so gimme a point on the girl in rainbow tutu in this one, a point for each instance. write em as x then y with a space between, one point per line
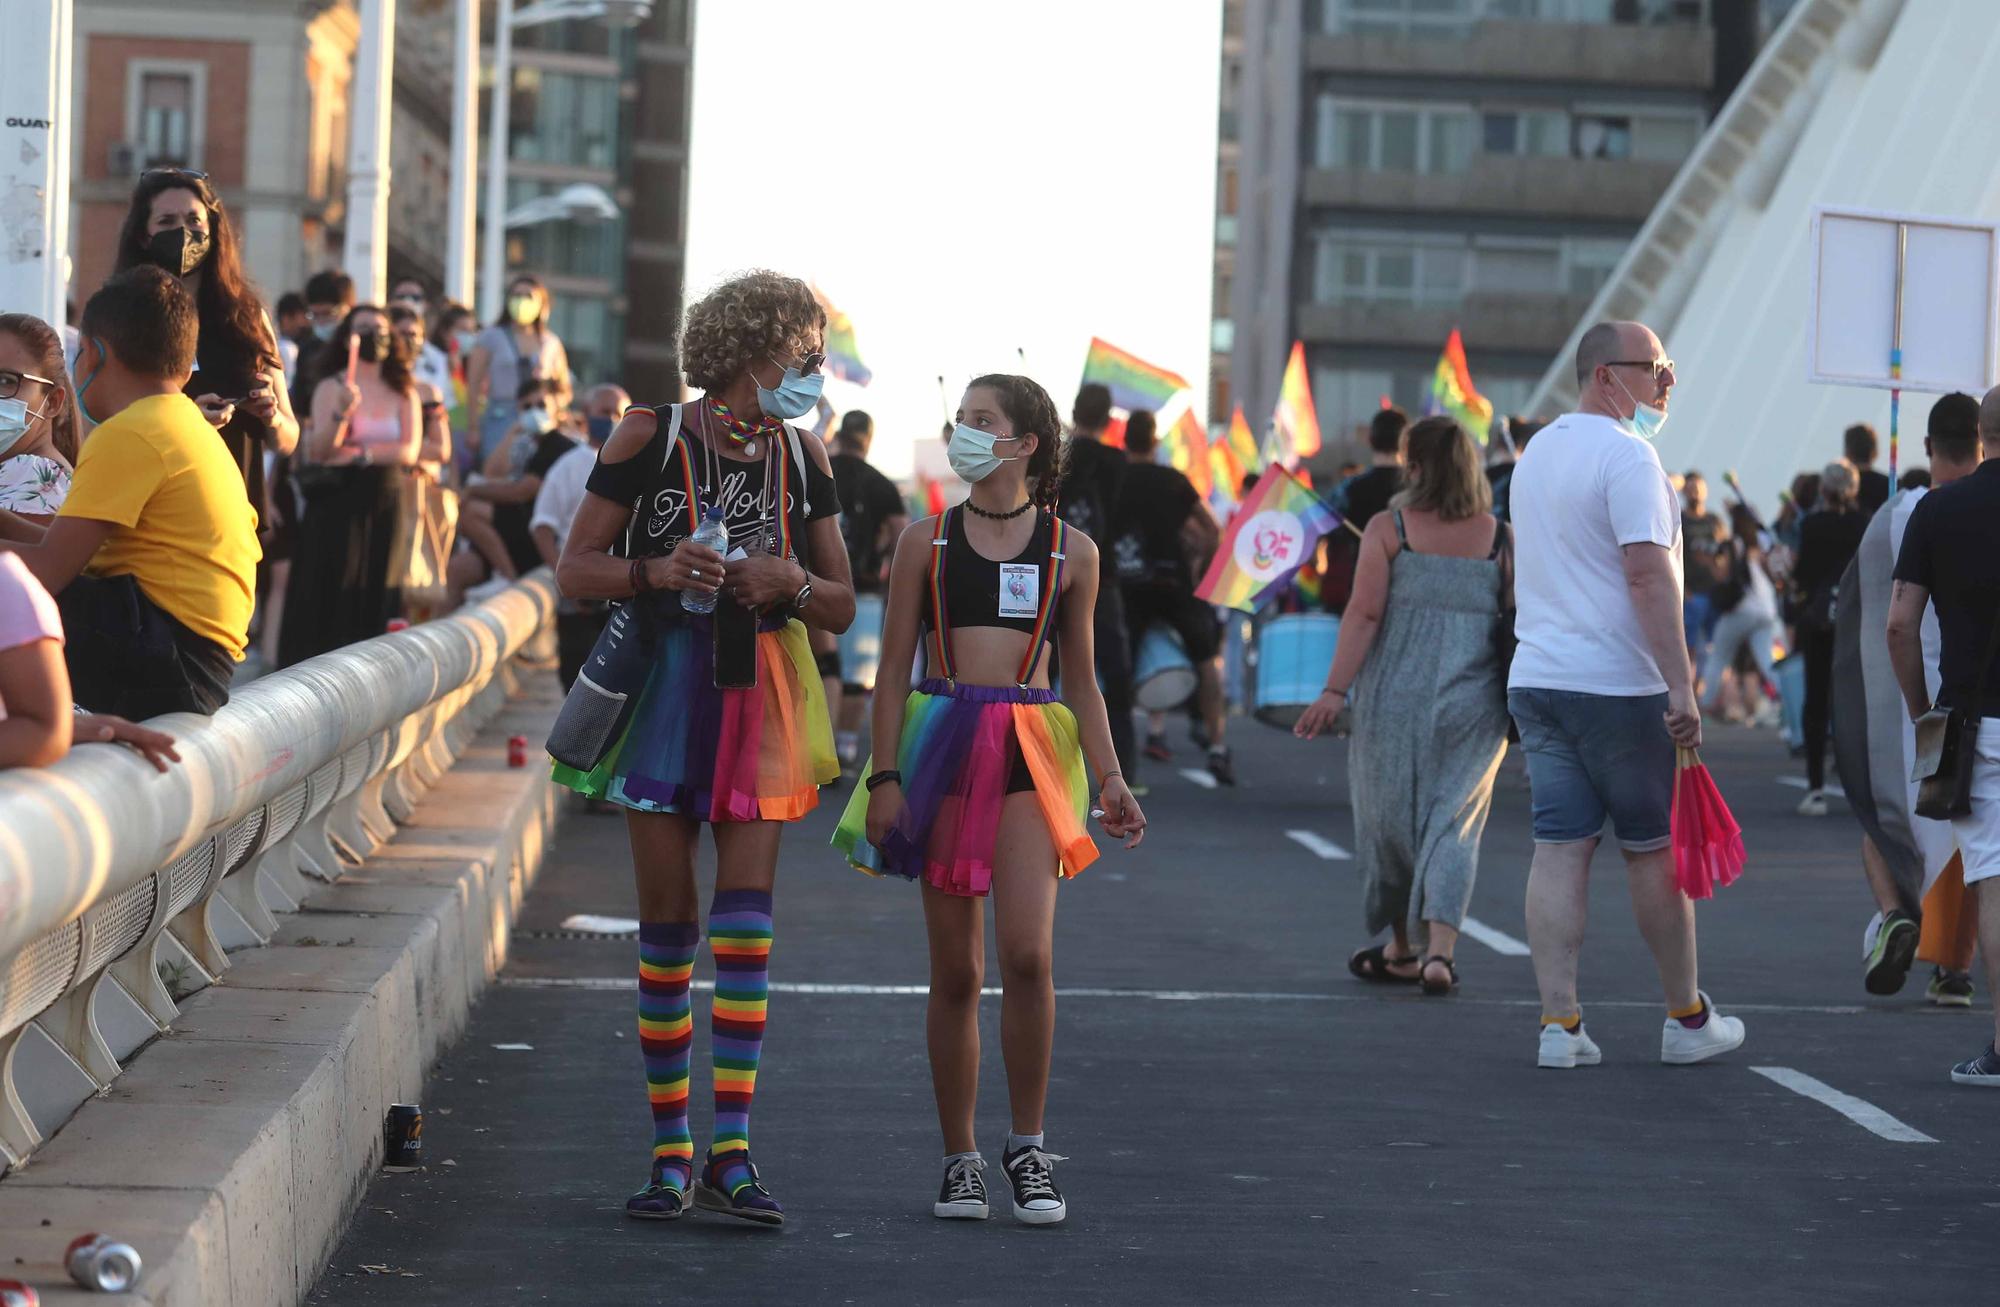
987 792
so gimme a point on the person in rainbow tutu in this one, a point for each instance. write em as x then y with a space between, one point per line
648 725
987 792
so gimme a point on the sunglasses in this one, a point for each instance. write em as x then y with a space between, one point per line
10 382
1659 367
808 365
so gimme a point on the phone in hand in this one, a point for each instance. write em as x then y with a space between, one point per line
735 646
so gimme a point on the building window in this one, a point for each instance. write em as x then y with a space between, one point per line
1589 263
1542 133
165 118
1518 269
1433 139
1222 335
565 118
1387 268
1602 136
1458 18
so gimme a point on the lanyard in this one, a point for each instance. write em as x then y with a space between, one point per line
1044 615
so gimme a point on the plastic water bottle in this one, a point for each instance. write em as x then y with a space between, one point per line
715 535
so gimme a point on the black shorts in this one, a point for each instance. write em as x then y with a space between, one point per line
1170 606
127 656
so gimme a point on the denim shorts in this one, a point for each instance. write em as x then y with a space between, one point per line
1593 757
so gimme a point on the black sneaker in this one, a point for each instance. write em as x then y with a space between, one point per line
1894 950
1981 1070
1037 1201
1221 767
1158 749
963 1195
1950 988
1198 731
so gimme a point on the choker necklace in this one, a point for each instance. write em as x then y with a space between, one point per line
1009 515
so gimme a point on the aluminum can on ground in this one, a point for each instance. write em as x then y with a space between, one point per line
13 1293
403 1135
98 1262
517 751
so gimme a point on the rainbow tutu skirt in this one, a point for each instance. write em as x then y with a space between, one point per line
961 744
720 755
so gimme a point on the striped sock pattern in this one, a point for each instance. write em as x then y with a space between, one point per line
666 1039
739 936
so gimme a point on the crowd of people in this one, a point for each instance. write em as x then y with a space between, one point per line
186 484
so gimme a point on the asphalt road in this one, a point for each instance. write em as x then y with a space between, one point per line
1246 1123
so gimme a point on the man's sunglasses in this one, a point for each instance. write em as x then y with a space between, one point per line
808 365
10 382
1658 367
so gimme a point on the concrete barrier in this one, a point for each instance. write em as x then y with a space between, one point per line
121 888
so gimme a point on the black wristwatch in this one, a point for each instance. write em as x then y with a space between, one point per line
804 597
883 777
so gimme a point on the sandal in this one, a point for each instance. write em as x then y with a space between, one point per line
1372 965
1432 988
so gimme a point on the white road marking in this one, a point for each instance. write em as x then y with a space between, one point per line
515 1048
597 925
1200 778
1497 940
620 983
1799 783
1860 1111
1324 848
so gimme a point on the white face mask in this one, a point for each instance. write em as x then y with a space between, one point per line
15 419
970 452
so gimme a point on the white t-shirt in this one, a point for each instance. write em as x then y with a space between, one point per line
562 493
434 366
1584 490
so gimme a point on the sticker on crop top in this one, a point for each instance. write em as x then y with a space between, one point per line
1020 589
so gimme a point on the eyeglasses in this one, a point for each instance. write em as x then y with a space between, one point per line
10 382
808 365
1659 367
192 174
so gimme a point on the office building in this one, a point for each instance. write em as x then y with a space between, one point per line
1393 169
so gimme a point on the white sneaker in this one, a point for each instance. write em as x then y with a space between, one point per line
1814 804
1680 1046
1562 1050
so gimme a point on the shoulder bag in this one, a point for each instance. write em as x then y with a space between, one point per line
1945 755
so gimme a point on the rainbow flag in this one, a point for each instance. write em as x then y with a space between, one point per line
1296 422
1187 449
843 353
1452 393
1268 540
1134 383
1235 455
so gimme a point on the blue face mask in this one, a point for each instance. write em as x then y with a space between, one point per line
83 405
970 452
1646 420
600 429
794 397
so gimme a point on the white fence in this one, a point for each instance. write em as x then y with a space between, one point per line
112 874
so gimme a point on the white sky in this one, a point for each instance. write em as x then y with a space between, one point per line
965 179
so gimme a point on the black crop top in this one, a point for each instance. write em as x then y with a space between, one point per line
655 483
972 582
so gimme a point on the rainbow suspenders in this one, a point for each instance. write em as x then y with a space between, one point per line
941 629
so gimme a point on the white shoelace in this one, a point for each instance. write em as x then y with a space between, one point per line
964 1180
1032 1175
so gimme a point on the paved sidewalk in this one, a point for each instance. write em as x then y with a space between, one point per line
1246 1122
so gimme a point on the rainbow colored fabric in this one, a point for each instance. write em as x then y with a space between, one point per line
739 938
1269 539
721 755
958 745
1187 449
1295 422
1134 383
1235 456
666 1038
843 352
1453 394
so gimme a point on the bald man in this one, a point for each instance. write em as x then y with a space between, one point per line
1601 686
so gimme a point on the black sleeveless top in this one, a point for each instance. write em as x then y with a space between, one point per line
656 483
973 583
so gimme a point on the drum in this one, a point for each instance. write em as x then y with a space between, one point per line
1791 677
861 645
1293 655
1164 678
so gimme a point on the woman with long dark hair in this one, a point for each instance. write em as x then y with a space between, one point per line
518 347
978 783
177 222
367 434
38 437
716 714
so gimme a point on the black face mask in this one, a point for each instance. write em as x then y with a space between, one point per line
372 347
178 250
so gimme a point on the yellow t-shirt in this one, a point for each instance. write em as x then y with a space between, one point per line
185 530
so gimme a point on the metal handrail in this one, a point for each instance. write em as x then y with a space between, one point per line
103 860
